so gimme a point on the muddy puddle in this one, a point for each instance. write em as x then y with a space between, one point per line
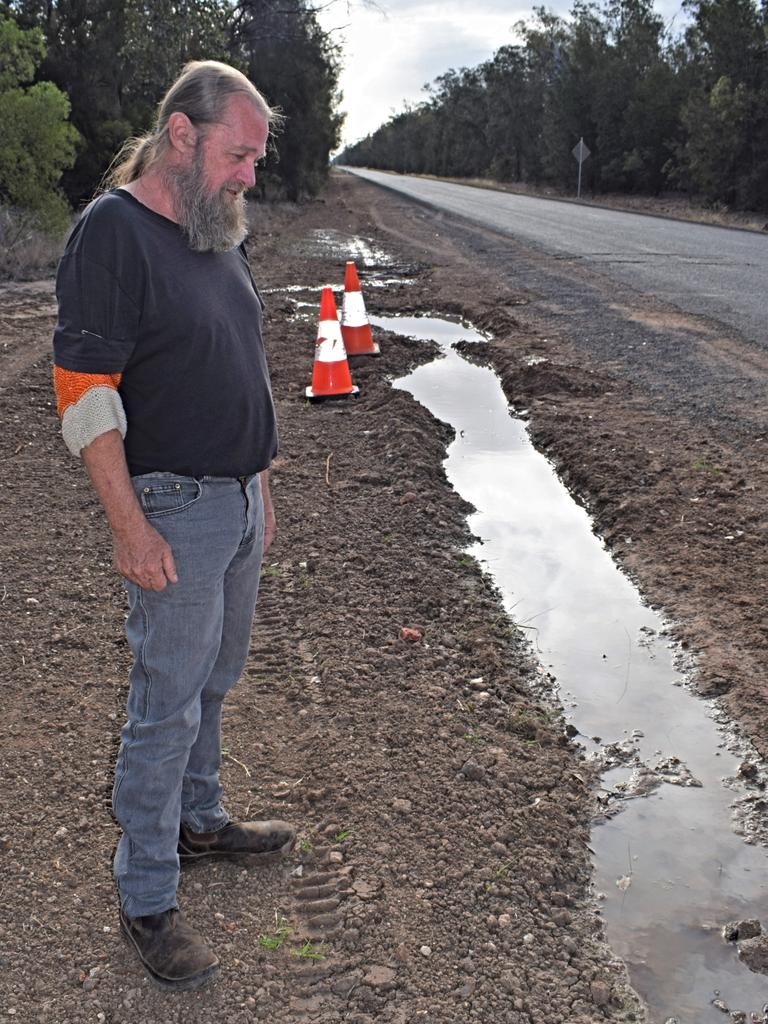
670 870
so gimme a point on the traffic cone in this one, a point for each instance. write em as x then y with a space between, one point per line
330 376
355 329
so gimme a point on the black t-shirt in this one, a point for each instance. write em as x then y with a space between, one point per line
184 330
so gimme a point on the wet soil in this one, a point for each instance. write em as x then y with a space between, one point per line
442 869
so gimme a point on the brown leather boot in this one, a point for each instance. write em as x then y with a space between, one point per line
172 952
263 839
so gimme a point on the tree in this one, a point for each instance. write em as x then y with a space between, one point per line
115 59
514 116
724 155
36 140
160 37
638 108
296 64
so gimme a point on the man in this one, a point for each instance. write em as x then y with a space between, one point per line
163 389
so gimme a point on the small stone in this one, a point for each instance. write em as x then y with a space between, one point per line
425 950
366 889
411 635
528 939
505 920
754 953
401 806
472 770
508 981
737 931
600 992
380 977
720 1005
499 849
335 857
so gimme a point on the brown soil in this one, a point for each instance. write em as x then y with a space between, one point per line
442 872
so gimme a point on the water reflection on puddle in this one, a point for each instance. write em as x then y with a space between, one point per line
684 871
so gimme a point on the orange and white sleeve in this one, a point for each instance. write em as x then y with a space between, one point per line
88 405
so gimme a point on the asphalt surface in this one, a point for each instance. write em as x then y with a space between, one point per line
709 271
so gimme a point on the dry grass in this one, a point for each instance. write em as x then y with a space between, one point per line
26 252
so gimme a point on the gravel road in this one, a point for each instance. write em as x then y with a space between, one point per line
708 271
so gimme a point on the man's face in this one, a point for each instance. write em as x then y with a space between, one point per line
231 149
208 190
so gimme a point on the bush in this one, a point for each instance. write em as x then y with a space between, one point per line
26 251
36 140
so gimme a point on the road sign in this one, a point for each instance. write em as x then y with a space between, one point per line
580 153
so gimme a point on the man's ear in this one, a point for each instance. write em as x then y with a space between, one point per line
182 134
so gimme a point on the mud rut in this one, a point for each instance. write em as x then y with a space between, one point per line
442 872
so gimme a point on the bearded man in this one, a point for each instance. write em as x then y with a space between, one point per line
163 390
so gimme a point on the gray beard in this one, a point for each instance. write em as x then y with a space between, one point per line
212 222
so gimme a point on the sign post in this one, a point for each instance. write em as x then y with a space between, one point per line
580 152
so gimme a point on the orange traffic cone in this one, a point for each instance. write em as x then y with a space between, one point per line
355 329
330 377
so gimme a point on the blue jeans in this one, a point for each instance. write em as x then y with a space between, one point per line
189 644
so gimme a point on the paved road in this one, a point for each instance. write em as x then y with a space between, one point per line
717 272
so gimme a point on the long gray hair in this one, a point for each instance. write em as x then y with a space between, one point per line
201 92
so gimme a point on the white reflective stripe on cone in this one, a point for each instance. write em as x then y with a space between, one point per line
330 349
353 310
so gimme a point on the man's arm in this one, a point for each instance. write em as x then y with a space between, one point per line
270 523
139 552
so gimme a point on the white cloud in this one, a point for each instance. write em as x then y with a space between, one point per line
393 50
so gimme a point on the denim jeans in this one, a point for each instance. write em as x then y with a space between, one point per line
189 644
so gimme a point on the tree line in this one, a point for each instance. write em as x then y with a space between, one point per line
79 77
658 109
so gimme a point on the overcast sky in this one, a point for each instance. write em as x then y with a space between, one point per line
393 49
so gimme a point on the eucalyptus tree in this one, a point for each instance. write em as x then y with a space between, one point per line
725 152
281 45
36 139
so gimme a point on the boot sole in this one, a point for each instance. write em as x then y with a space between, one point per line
169 984
266 856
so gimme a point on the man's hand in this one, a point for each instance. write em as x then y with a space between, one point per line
144 557
139 552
